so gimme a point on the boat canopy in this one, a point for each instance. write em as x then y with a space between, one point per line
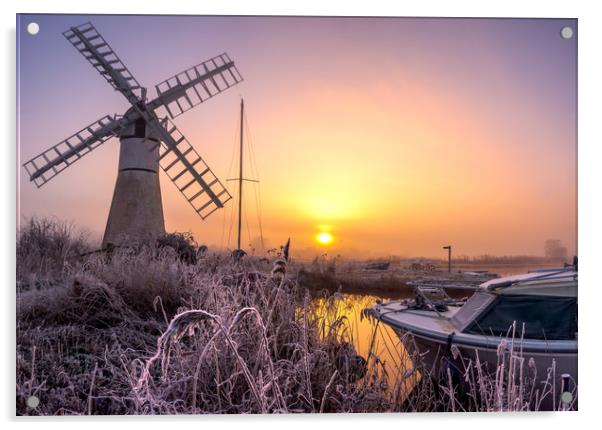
544 304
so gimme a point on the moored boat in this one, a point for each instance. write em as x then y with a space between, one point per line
533 316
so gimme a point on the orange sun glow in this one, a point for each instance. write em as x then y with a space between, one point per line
324 238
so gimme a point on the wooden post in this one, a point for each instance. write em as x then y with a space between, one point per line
449 248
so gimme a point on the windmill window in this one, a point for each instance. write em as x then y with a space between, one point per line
140 128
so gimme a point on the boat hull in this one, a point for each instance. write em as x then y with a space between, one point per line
434 358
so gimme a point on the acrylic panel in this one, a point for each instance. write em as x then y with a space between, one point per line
295 214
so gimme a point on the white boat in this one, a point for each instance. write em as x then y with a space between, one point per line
444 331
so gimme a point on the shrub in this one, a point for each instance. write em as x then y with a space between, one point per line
45 249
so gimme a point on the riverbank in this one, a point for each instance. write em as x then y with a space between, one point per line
393 279
394 282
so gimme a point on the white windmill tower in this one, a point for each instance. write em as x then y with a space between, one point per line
147 141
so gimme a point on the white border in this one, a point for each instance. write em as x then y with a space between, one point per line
590 73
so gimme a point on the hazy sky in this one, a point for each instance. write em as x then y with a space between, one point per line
396 135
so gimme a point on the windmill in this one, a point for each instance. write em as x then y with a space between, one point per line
147 141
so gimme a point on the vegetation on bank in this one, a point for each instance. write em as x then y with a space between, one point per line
168 328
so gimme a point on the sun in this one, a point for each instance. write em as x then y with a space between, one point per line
324 238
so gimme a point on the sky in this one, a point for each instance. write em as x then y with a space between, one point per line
396 136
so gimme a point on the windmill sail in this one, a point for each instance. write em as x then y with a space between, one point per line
192 87
51 162
189 172
88 41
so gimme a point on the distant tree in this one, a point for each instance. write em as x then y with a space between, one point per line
554 250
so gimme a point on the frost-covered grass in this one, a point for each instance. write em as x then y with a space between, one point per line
142 331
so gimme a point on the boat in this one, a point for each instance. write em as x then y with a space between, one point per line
378 266
533 313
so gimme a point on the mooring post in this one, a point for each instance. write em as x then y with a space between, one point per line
448 247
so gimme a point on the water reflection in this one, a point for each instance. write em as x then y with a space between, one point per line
388 361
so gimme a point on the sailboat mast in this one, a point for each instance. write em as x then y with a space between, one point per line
242 108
